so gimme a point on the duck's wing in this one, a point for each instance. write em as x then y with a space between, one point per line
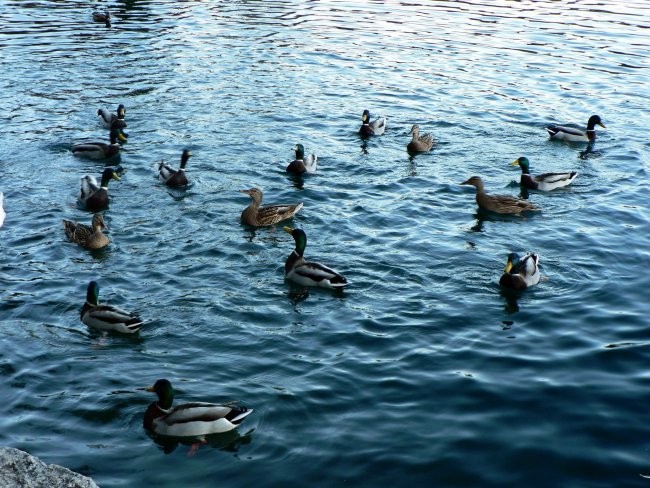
379 126
320 275
88 187
165 171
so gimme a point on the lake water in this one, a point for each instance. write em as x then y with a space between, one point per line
423 372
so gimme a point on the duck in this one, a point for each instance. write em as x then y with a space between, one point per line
107 317
102 17
520 273
307 273
563 133
545 181
3 214
257 216
195 419
101 150
375 128
498 203
93 197
419 143
302 164
172 177
107 119
88 237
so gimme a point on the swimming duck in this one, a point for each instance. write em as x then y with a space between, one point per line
562 133
309 273
520 273
375 128
302 164
543 182
93 197
419 143
195 419
107 119
107 317
100 150
2 210
257 216
102 17
172 177
498 203
88 237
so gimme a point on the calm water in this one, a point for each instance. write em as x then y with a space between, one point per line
423 373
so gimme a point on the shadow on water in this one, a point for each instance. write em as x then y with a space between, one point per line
511 297
227 441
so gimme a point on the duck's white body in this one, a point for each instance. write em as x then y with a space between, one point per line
88 187
308 273
522 274
196 420
107 317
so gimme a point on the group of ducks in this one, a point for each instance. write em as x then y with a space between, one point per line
199 419
520 272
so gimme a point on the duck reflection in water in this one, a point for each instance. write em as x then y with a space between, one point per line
227 441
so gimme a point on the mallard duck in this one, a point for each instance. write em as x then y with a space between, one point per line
100 150
309 273
2 210
92 196
88 237
172 177
562 133
257 216
107 317
543 182
102 17
419 143
498 203
109 120
375 128
195 419
520 273
302 164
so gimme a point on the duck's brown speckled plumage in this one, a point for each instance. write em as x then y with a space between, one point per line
257 216
502 204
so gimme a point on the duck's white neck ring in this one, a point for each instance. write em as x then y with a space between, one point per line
103 188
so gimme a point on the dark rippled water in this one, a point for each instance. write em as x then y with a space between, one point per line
423 373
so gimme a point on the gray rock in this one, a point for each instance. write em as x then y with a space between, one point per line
19 469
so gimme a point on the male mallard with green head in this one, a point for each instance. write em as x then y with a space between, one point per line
564 133
93 197
107 317
101 150
172 177
88 237
374 128
302 164
195 419
108 119
521 273
498 203
545 181
308 273
257 216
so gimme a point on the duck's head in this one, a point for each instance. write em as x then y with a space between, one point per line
121 111
415 129
365 117
523 163
185 157
98 222
92 293
512 262
109 174
300 151
474 181
254 193
299 237
163 389
594 120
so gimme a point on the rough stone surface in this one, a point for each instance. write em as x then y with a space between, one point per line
19 469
